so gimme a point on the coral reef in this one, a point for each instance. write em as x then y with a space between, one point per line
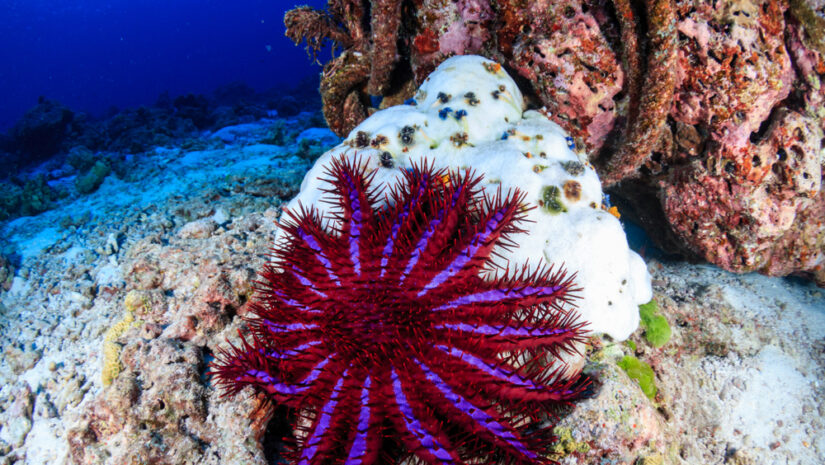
706 119
736 339
114 144
379 330
50 128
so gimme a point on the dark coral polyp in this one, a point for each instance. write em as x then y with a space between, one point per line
381 334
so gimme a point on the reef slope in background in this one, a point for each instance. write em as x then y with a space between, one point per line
144 278
707 118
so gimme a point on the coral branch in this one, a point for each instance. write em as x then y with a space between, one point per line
341 88
631 56
314 27
644 129
386 19
351 14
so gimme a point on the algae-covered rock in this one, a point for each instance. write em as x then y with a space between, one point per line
277 134
80 158
6 273
36 196
16 413
90 181
10 196
566 444
111 348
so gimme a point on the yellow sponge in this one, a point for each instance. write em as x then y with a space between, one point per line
111 348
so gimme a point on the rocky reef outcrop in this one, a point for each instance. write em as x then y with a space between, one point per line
705 119
40 133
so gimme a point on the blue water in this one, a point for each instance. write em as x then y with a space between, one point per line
92 55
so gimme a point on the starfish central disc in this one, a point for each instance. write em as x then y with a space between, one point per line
376 324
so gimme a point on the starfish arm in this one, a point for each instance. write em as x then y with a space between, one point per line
250 365
501 381
366 443
288 304
400 222
419 433
311 450
279 335
297 351
479 297
313 251
559 333
483 421
449 210
356 206
472 250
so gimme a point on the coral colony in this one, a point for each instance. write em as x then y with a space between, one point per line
382 333
468 114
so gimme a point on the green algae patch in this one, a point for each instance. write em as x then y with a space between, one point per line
641 372
657 330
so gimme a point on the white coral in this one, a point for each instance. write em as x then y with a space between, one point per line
469 114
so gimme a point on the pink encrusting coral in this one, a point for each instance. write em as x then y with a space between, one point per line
749 196
574 71
388 333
